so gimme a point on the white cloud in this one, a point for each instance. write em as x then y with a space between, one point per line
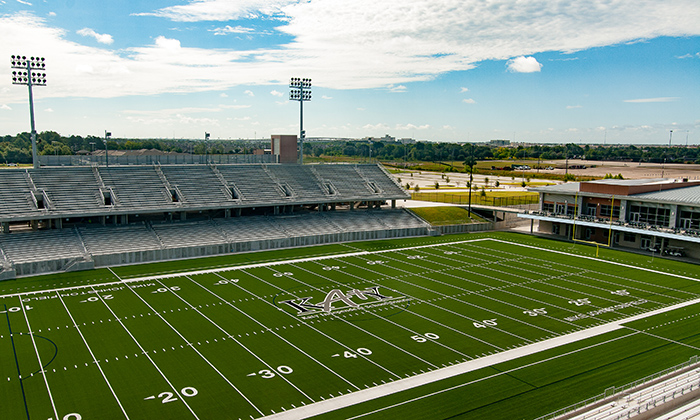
48 110
218 10
696 55
249 93
523 64
573 106
101 38
650 100
223 95
397 89
469 101
463 90
226 30
326 97
276 93
24 2
52 14
416 41
413 127
5 107
375 127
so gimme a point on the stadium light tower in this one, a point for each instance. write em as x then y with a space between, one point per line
31 72
107 136
300 90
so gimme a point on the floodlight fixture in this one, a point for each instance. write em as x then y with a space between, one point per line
31 72
300 90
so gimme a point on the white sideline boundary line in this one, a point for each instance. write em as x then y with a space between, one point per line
379 391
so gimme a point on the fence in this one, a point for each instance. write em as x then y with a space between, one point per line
478 199
613 390
169 159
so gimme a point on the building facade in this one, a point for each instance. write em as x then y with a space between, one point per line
656 215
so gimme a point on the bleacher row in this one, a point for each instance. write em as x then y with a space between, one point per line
69 191
86 241
644 399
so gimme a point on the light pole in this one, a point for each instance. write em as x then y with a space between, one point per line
206 147
300 90
107 135
32 74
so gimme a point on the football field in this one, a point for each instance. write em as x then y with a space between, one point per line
473 326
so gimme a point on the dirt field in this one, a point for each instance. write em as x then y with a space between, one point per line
629 170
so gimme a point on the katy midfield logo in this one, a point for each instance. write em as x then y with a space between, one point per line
304 307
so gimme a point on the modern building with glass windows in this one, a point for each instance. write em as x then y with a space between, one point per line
655 215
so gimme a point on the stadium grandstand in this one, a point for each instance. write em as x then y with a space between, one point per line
79 217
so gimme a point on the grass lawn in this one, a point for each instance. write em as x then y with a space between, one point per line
446 215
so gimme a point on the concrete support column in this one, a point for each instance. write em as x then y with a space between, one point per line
623 211
59 223
183 215
673 220
227 213
352 206
125 219
579 205
333 206
103 220
276 210
238 212
5 227
34 224
393 204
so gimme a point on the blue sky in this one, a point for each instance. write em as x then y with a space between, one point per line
589 71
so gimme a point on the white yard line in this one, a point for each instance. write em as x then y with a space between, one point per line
412 297
451 297
94 359
301 321
465 367
41 364
229 335
145 353
396 323
353 325
190 344
281 338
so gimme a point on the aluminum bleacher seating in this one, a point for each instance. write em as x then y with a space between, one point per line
250 228
117 239
138 187
43 245
376 175
71 189
198 184
15 194
175 235
300 179
253 182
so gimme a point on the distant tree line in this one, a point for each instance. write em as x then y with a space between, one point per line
18 149
435 152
